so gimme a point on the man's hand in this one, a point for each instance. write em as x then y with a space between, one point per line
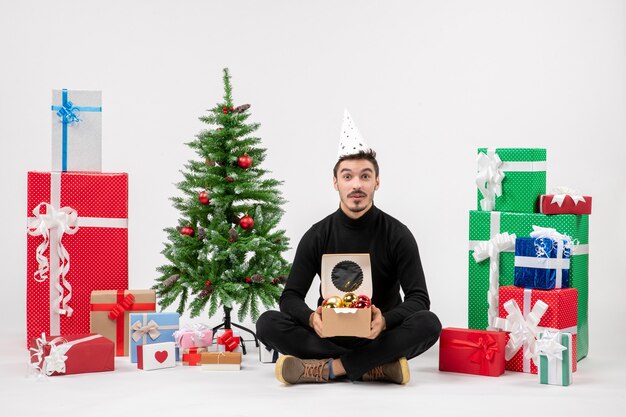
315 321
378 323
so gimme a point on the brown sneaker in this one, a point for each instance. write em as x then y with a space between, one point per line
292 370
396 371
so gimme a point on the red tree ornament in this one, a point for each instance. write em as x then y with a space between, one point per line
363 301
187 231
246 222
244 161
203 197
248 280
229 179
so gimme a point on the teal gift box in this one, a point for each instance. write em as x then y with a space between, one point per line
511 179
555 358
149 328
485 225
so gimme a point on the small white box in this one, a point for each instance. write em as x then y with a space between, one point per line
267 355
76 130
156 356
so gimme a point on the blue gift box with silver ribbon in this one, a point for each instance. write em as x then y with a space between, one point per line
149 328
542 263
76 130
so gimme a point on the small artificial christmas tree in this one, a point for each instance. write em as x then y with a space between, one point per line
226 250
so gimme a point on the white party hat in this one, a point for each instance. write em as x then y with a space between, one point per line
351 142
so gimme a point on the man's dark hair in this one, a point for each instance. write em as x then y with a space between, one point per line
368 155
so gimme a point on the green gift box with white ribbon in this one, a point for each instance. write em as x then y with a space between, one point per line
490 235
555 358
510 179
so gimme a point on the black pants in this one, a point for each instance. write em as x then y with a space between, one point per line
415 335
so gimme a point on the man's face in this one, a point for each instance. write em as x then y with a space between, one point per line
356 182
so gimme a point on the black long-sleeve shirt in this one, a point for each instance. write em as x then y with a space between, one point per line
394 258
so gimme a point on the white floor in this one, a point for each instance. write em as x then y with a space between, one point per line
189 391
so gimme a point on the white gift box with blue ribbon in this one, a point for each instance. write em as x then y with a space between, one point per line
76 130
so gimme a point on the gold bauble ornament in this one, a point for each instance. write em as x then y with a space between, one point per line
332 302
348 299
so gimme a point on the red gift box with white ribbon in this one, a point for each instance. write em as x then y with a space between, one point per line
563 200
71 354
77 216
525 312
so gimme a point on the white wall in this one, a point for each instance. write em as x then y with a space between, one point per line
427 82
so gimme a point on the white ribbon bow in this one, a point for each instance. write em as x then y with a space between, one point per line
196 333
491 249
548 345
55 361
201 331
559 194
523 331
57 222
151 329
551 233
489 178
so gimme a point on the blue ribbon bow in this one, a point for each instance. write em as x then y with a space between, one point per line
68 113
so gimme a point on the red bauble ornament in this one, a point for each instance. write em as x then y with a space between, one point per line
187 231
365 300
246 222
232 108
248 280
225 110
203 197
229 179
207 283
244 161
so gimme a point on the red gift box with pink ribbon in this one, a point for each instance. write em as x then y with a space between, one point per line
470 351
525 313
72 354
79 217
227 340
